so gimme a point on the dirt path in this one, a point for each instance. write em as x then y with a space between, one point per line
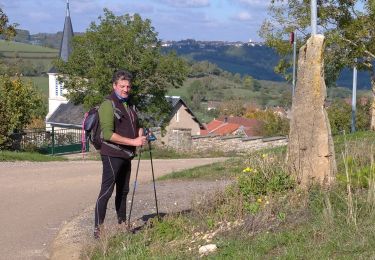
38 199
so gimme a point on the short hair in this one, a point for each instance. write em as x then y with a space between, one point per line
122 75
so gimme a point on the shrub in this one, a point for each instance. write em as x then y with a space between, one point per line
267 175
340 116
272 123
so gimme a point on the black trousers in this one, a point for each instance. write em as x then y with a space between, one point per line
115 171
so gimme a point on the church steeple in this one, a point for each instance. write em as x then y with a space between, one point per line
66 42
67 8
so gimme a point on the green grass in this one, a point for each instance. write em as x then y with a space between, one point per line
40 84
9 46
31 55
226 89
219 170
287 224
28 156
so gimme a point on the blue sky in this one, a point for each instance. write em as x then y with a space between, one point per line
226 20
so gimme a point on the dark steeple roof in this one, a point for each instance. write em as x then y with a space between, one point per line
66 42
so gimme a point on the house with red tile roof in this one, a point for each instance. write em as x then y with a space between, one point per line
232 125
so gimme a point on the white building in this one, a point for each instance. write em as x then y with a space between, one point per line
56 89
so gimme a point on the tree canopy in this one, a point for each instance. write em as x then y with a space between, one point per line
19 104
121 42
348 26
6 30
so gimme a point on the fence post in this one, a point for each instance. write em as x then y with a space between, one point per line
53 140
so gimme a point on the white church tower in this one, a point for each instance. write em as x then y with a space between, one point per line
56 89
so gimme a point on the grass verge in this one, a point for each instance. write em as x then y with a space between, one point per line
263 215
28 156
219 170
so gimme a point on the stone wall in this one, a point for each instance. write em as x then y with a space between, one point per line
235 143
180 139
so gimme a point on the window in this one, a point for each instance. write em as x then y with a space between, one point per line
61 89
56 88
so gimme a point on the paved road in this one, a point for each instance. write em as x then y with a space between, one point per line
38 198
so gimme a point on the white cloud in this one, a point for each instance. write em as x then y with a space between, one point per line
253 2
186 3
242 16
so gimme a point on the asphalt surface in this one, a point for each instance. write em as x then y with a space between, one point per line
38 199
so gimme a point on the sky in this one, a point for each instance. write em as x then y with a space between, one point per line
210 20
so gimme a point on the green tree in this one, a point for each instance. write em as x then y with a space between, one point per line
348 26
197 93
339 114
19 104
232 107
272 123
6 30
256 85
248 82
121 42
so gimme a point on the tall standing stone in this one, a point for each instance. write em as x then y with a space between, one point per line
311 156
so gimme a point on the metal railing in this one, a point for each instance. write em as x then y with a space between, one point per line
50 140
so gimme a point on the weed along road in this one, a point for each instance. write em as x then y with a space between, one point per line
38 198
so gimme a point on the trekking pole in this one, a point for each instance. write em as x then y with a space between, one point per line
135 185
153 179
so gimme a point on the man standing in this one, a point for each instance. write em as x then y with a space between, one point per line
121 134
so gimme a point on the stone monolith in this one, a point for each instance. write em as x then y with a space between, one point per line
311 156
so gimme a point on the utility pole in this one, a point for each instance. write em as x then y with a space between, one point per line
314 15
354 95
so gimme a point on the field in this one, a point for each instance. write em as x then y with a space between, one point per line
222 88
37 56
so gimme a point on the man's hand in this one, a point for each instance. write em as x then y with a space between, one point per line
139 141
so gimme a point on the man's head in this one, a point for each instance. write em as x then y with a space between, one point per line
122 83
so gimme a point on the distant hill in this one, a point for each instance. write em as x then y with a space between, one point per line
253 59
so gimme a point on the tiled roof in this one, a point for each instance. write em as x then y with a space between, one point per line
213 124
225 129
220 127
239 120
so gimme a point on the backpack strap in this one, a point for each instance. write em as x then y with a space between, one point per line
116 112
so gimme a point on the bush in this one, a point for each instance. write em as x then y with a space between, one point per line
272 123
19 103
340 116
266 175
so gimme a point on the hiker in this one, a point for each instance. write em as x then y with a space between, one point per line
121 134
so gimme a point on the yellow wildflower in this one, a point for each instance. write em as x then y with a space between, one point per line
259 200
247 169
